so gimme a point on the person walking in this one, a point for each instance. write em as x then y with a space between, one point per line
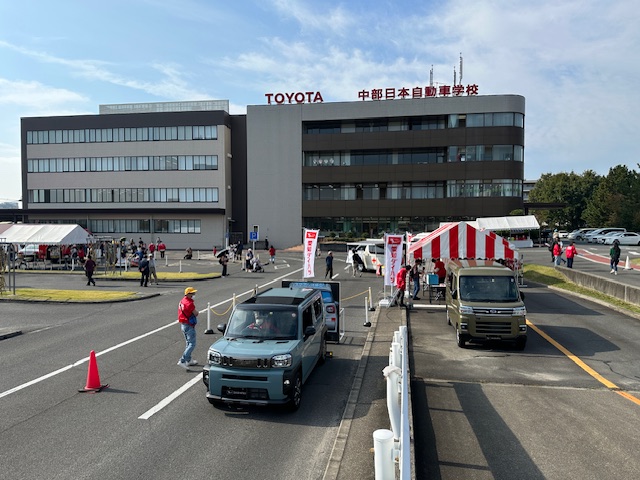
358 263
614 255
188 318
570 252
153 275
272 254
329 262
89 267
415 273
401 284
143 267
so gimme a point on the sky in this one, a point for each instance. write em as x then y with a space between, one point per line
576 62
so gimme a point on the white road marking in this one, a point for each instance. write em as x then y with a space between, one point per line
120 345
167 400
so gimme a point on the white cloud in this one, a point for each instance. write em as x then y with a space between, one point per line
33 94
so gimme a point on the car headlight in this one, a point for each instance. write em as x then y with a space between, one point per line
466 310
281 361
214 357
519 311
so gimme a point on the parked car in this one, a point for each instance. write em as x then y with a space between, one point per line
32 252
600 238
579 234
563 234
624 238
602 231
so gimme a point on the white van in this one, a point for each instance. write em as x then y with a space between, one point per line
371 252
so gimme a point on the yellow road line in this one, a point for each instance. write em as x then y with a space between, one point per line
610 385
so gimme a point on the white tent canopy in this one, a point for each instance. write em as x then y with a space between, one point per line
512 223
45 234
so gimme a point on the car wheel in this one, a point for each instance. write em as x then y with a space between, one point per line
323 351
295 397
460 339
521 343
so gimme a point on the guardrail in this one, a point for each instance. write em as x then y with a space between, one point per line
394 446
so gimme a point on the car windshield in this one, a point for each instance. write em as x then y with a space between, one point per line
488 289
263 323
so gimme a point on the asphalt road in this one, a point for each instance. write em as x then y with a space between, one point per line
554 411
50 431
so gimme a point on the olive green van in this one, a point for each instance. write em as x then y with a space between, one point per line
484 303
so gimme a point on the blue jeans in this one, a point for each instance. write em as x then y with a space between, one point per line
189 333
416 287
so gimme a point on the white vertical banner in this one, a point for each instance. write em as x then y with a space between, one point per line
392 257
310 245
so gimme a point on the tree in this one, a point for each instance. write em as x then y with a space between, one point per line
570 188
616 200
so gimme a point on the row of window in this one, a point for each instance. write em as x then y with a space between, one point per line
128 134
102 227
115 226
427 122
469 153
124 195
123 164
415 190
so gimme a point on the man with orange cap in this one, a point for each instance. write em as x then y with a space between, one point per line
188 317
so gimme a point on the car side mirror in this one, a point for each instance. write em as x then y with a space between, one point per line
309 331
454 294
222 327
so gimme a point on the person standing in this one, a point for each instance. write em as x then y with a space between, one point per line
415 273
266 243
248 260
89 267
272 254
614 254
161 247
153 275
401 284
188 318
223 261
143 267
329 263
439 269
557 253
570 252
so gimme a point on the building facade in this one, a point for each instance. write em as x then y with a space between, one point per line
135 171
196 176
370 167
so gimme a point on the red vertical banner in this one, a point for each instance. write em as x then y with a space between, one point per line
310 245
392 257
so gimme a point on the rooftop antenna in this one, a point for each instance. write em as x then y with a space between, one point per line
454 76
431 77
460 68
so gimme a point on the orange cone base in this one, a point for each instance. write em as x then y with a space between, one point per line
93 390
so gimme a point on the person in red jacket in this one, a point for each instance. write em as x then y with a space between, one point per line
401 284
188 317
570 252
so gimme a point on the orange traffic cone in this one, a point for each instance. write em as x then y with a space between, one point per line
93 377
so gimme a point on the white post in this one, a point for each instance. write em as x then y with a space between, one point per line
198 252
208 331
383 455
180 266
234 300
166 260
392 374
366 323
371 307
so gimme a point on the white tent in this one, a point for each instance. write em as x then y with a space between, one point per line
46 234
516 223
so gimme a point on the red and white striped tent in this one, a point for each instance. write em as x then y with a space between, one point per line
461 240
